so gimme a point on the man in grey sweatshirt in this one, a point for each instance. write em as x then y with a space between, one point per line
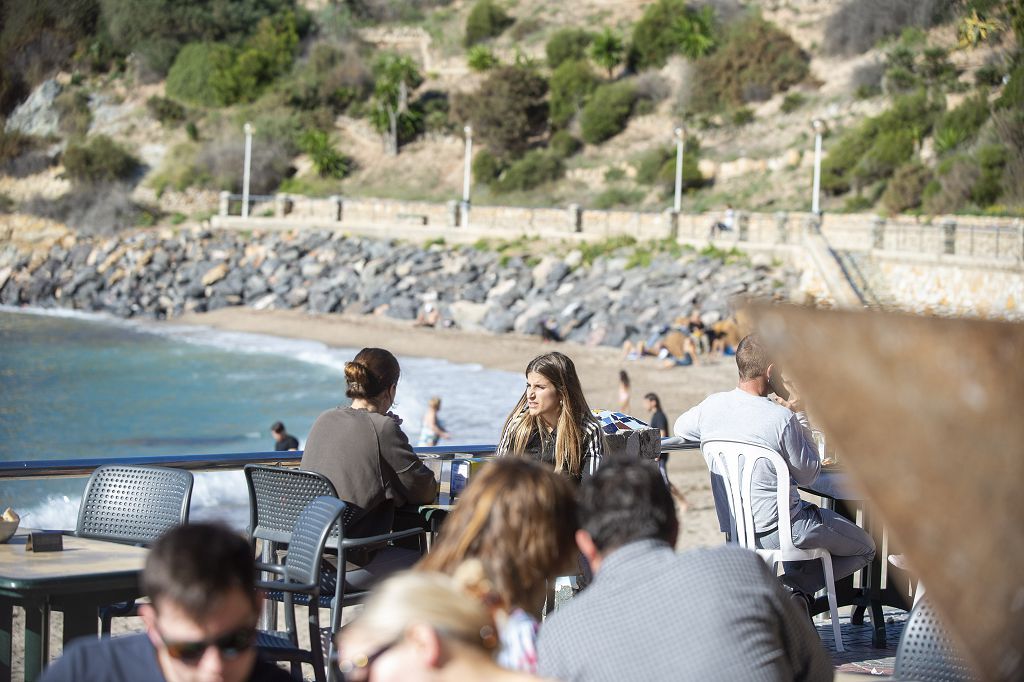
748 415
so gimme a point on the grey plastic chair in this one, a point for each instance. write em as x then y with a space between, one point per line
132 505
300 575
927 652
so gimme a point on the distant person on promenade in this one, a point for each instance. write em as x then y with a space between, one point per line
708 614
746 414
432 431
282 439
516 518
367 457
200 624
552 421
725 224
422 627
623 391
658 419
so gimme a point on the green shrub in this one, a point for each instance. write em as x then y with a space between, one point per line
14 143
567 44
742 116
97 161
617 196
614 174
906 188
607 112
992 160
165 110
201 74
669 27
607 50
192 130
890 149
1013 93
535 168
857 204
571 84
658 167
485 20
334 76
178 218
507 110
792 101
989 74
755 58
859 25
481 58
961 124
328 161
75 114
6 203
563 145
486 167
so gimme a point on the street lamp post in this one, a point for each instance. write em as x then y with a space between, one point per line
245 169
680 136
467 174
819 128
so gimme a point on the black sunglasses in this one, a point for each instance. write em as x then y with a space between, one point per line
348 666
230 645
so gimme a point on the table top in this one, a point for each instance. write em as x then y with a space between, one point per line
82 563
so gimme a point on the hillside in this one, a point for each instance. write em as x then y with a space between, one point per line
923 104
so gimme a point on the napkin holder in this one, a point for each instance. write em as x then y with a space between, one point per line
45 541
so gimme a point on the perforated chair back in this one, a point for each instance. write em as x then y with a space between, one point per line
134 504
318 520
927 652
277 495
734 462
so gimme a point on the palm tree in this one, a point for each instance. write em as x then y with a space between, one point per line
607 50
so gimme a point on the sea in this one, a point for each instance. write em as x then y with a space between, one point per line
76 385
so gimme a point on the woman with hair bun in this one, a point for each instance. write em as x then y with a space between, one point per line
367 457
552 421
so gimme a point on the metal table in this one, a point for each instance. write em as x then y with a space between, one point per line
880 586
86 575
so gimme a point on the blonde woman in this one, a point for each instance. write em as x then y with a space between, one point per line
517 522
421 627
552 421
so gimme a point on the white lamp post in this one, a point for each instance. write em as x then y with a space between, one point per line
467 174
819 128
245 169
680 136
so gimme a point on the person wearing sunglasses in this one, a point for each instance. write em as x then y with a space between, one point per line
421 626
200 624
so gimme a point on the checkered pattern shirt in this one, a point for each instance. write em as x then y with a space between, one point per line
707 614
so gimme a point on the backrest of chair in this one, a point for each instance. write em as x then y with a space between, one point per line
133 504
315 523
926 651
277 496
734 461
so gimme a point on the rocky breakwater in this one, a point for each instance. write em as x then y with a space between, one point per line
162 274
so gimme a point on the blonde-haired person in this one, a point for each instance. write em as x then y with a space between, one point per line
552 421
367 457
421 627
432 429
516 518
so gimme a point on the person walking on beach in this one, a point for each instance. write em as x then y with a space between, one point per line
432 430
623 391
552 421
282 439
367 457
658 419
712 614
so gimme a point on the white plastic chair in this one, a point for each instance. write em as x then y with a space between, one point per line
734 462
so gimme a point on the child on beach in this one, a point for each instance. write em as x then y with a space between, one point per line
432 430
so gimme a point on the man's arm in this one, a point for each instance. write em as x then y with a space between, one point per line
799 450
687 426
415 482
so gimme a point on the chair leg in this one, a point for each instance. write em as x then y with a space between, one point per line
830 587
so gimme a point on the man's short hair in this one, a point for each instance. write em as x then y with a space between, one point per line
193 565
751 357
627 501
277 427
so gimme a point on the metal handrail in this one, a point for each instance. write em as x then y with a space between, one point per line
64 468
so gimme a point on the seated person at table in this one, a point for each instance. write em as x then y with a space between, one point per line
515 523
421 626
748 415
552 422
200 625
367 457
652 614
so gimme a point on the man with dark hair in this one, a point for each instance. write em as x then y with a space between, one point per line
747 415
200 625
652 614
282 439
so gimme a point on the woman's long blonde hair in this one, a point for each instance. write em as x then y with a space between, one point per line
561 372
518 519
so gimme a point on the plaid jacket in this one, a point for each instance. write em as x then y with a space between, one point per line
590 457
